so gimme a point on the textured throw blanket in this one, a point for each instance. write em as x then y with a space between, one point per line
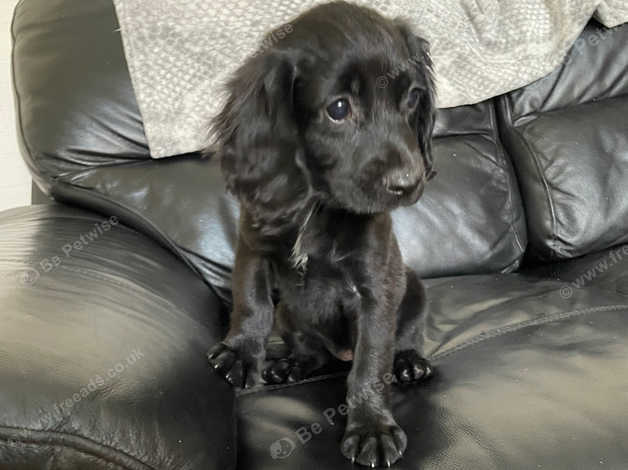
180 53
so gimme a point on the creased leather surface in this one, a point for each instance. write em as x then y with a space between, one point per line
530 364
83 131
473 205
594 69
568 137
527 377
71 75
102 352
526 374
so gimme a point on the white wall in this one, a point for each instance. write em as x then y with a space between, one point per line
14 177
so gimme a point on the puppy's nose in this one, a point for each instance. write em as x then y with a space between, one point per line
402 183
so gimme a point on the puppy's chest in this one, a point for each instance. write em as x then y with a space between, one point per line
323 289
320 273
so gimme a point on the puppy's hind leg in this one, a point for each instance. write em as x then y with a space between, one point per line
409 367
308 354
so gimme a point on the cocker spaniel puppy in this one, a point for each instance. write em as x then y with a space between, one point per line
323 134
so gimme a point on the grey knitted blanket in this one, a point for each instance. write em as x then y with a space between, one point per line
180 53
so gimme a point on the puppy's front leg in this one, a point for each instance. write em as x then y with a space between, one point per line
373 438
239 357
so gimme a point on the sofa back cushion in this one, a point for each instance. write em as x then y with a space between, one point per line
83 139
568 136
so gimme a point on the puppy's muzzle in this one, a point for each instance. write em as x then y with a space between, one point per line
404 184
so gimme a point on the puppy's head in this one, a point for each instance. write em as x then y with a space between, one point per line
340 108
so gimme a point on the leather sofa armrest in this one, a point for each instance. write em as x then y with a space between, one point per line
102 349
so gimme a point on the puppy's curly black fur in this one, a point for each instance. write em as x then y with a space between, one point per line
322 135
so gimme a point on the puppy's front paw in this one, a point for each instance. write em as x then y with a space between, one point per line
290 370
238 367
374 445
410 368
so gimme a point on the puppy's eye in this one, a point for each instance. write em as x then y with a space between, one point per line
413 97
339 109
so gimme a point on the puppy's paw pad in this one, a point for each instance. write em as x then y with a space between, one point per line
289 370
277 372
410 368
232 366
378 446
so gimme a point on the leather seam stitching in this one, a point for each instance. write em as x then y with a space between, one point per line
56 439
545 185
548 194
162 239
480 338
502 331
500 151
534 115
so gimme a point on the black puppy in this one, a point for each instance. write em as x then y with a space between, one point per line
323 134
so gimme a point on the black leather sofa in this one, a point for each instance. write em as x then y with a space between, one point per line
110 296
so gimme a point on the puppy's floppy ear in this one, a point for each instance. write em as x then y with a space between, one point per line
257 138
426 109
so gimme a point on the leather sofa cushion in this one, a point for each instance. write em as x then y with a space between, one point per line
568 137
103 335
83 140
528 375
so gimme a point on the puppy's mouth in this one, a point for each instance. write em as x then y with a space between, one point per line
406 194
377 197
